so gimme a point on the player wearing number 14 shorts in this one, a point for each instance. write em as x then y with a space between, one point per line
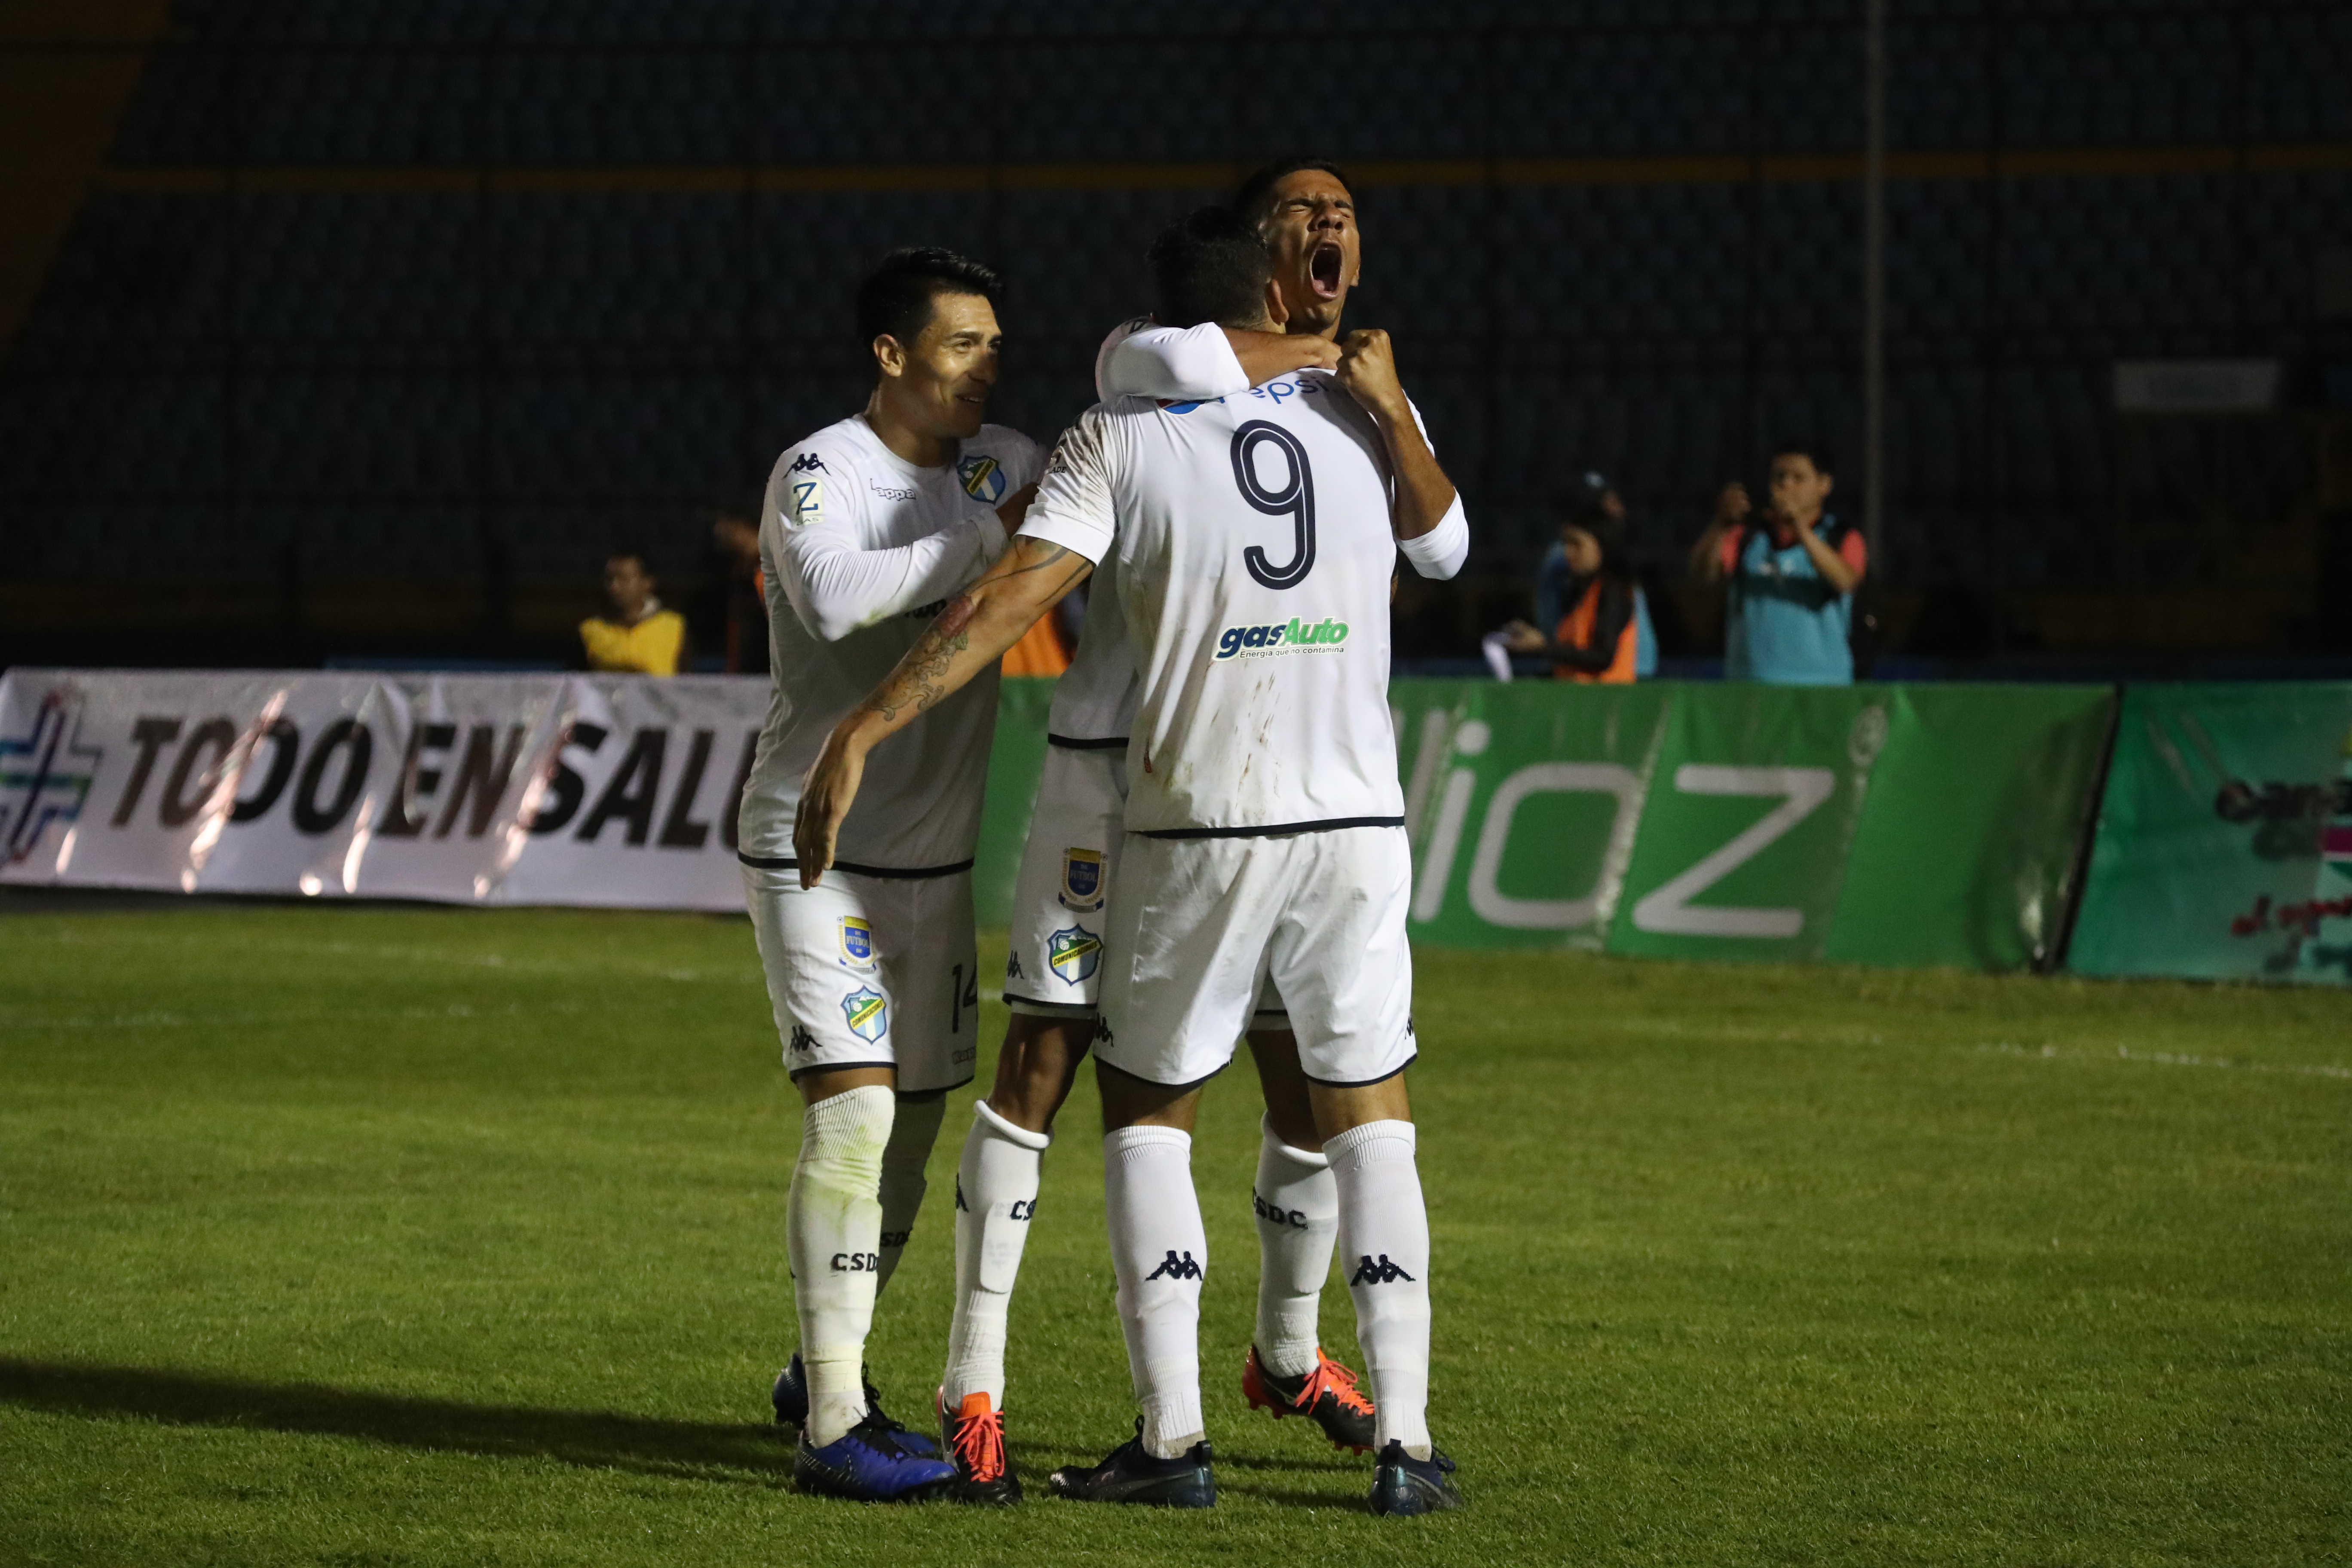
1253 544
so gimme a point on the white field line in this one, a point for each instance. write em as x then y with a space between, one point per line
2171 1058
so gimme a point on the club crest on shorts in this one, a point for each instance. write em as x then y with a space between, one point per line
856 943
1082 880
1074 951
867 1012
983 478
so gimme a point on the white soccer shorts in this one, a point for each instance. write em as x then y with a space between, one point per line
1052 962
871 971
1200 926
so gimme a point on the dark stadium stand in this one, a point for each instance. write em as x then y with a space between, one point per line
454 294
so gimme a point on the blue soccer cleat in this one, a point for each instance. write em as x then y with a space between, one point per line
790 1396
870 1464
1403 1485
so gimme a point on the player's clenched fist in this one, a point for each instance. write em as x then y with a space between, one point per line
1368 369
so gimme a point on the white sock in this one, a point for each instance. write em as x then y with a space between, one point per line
1160 1255
996 1192
913 1131
1297 1205
1384 1250
832 1235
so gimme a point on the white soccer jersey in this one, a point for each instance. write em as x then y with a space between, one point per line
1252 545
859 547
1095 698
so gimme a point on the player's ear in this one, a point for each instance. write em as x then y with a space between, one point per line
889 355
1278 308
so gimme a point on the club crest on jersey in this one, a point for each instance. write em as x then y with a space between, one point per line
1075 952
983 478
1082 880
857 943
1293 636
867 1012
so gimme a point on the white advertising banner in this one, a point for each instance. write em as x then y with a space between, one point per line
609 790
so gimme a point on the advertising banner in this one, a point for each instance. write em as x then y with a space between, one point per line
1867 824
594 790
2224 840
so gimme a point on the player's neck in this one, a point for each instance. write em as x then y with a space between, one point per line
906 441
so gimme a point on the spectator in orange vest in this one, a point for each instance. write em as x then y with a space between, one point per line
1596 639
638 636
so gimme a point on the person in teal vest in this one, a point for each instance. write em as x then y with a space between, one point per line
1788 575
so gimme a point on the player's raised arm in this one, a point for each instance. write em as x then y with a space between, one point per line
1203 363
836 586
970 633
1431 527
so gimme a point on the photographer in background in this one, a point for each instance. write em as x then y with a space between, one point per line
1595 636
1789 575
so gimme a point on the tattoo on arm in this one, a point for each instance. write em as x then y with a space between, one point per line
922 681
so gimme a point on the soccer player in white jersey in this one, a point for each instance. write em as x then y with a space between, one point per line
1305 209
1263 819
868 526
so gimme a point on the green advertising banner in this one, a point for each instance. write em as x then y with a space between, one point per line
1890 824
1866 824
2224 841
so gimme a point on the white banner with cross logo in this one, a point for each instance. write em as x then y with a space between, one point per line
526 789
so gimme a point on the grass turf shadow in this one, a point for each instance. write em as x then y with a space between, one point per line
740 1453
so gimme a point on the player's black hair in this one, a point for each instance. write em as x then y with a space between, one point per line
895 299
1814 452
1250 195
1209 266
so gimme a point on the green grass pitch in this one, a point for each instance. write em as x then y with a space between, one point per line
391 1236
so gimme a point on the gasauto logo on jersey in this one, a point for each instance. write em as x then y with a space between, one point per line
1294 636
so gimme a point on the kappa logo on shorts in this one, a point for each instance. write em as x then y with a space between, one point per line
1013 966
1075 952
1082 880
801 1041
983 478
867 1012
856 943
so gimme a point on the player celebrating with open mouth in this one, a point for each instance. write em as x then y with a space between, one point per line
1053 973
1263 820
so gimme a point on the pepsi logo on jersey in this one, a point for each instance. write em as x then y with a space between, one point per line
1281 637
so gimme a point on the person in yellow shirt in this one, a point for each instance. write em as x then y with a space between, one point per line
638 636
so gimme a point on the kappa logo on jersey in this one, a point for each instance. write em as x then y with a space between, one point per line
1074 951
1082 880
44 777
804 503
983 478
1175 1268
808 463
856 943
1294 636
1381 1273
867 1012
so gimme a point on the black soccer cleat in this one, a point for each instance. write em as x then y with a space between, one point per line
1131 1474
790 1396
1404 1485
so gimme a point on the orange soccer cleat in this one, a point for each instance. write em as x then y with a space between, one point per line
1327 1396
973 1436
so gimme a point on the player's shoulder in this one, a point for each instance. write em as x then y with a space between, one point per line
818 475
